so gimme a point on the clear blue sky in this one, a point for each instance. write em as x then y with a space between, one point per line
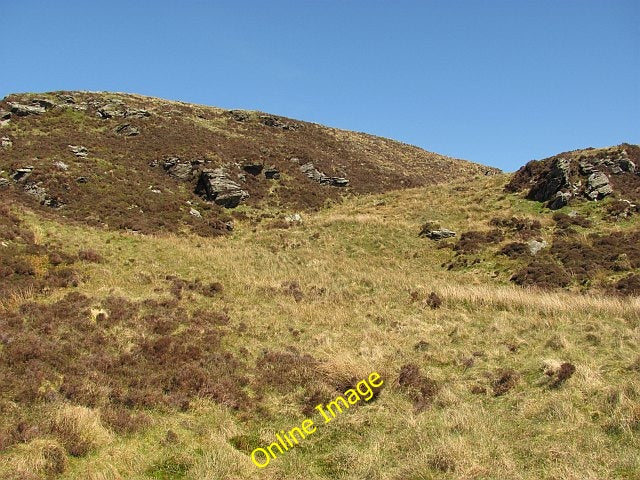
498 82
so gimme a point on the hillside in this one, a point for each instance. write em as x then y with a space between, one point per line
137 346
133 162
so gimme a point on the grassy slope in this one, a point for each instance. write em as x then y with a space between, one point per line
357 265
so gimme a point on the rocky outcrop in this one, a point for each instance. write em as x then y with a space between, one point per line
552 183
317 176
182 169
591 174
22 174
253 168
272 173
216 185
22 110
79 151
37 191
127 130
272 121
598 186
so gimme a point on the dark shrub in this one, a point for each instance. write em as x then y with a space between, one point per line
543 274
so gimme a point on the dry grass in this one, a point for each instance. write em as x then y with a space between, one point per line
306 310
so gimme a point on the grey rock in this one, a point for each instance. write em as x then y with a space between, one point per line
560 200
37 191
61 165
556 180
64 98
81 180
271 121
254 168
317 176
6 142
4 183
182 169
22 110
438 234
110 111
536 245
239 115
215 185
293 218
41 102
585 167
598 186
272 173
627 165
616 170
21 174
5 115
127 130
138 113
195 213
79 150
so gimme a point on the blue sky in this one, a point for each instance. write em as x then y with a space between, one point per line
497 82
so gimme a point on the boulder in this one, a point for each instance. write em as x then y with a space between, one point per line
4 182
317 176
598 186
110 111
438 234
560 200
254 168
79 150
138 113
37 191
550 184
536 245
41 102
195 213
182 169
272 173
238 115
127 130
6 142
216 185
22 110
21 174
61 165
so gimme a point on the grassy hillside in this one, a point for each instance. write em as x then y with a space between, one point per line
174 356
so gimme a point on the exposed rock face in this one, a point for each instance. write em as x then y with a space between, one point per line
560 200
182 169
317 176
216 185
592 174
552 183
598 186
127 130
24 110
